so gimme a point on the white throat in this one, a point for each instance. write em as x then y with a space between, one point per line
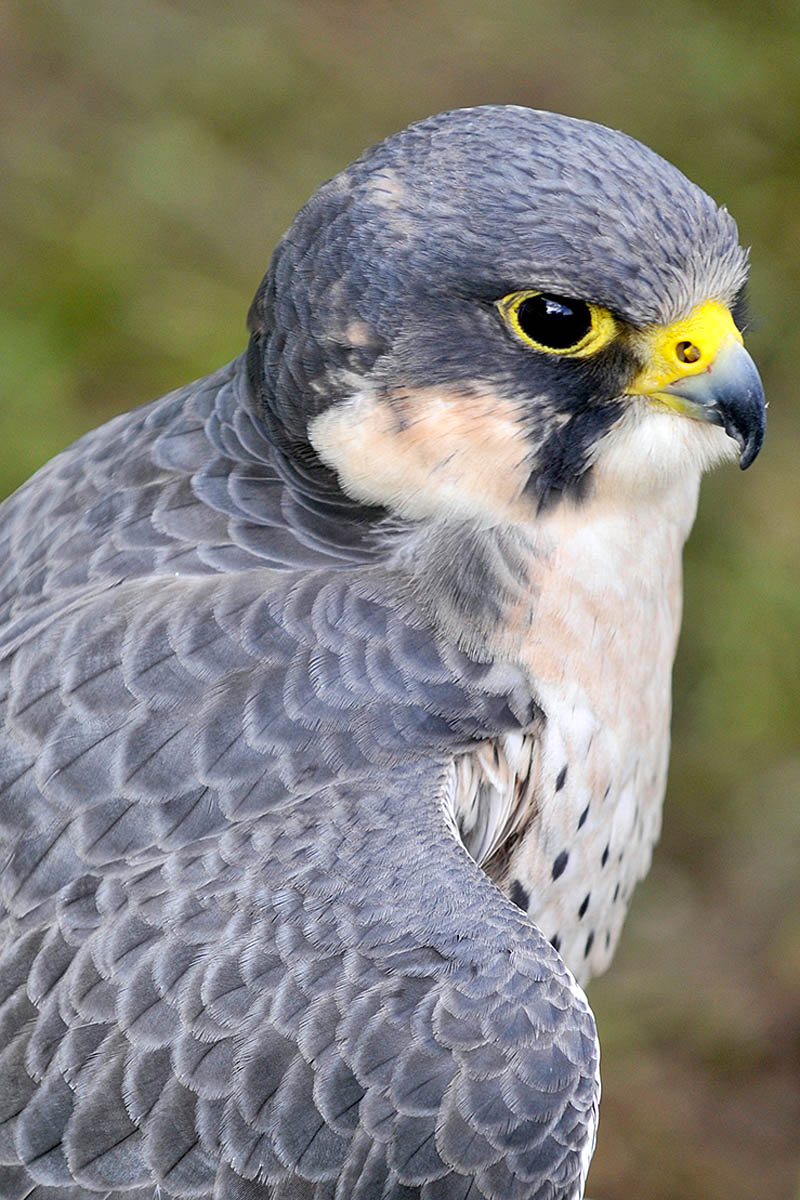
582 797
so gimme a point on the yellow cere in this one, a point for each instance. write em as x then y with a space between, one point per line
687 347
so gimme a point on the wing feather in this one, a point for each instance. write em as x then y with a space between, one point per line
242 950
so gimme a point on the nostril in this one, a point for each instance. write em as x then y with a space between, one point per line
687 352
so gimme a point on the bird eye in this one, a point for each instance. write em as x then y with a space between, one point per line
557 324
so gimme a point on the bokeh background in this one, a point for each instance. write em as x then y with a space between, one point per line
150 156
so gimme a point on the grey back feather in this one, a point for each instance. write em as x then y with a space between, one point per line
243 953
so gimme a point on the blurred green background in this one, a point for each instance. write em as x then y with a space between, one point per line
150 156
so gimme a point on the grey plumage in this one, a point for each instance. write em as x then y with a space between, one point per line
203 778
244 952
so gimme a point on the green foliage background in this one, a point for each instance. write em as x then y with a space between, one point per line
150 156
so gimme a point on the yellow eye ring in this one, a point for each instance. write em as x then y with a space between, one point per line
557 324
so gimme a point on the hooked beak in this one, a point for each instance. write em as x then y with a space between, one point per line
700 368
728 393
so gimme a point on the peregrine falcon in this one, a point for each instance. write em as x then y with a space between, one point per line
336 689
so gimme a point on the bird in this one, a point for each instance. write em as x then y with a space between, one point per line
336 688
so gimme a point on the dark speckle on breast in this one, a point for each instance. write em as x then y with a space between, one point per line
584 904
561 778
583 816
519 895
604 857
555 942
589 943
560 863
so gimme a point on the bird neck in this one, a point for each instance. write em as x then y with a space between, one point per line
491 588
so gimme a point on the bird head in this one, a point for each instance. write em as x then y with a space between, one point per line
493 309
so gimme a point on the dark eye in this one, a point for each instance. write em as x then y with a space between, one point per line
553 321
557 324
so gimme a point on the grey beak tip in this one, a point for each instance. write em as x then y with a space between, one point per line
750 450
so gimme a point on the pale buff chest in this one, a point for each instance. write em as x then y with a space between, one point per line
572 812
